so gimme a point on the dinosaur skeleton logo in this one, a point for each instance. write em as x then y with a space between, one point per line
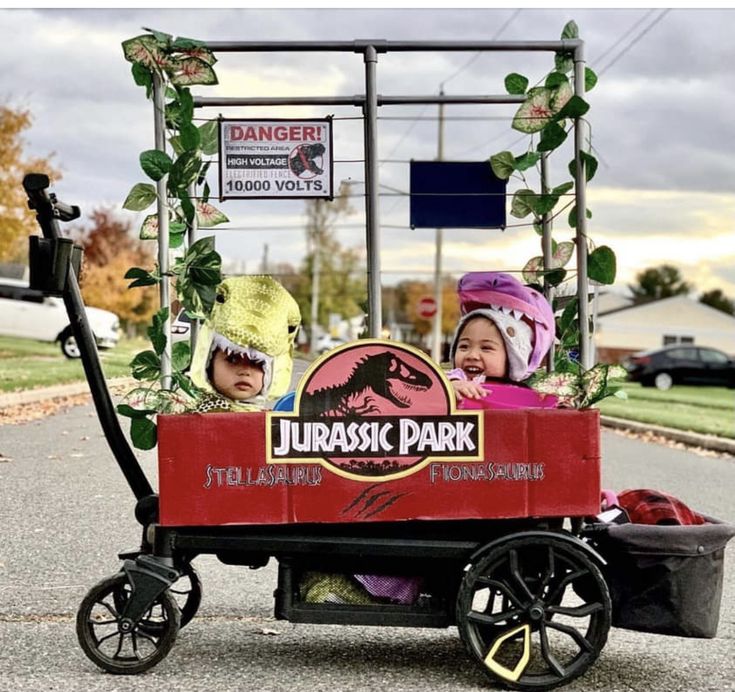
374 410
306 160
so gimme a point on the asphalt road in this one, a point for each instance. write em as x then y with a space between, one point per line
65 512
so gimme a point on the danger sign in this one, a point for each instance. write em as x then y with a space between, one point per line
427 307
261 159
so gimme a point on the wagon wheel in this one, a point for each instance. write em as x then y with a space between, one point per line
108 640
534 611
187 593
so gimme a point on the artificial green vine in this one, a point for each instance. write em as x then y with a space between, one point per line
178 62
549 111
196 271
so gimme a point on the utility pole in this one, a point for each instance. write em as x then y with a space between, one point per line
436 347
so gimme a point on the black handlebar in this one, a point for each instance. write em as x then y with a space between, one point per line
49 211
46 204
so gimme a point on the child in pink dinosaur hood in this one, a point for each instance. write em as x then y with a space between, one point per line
505 331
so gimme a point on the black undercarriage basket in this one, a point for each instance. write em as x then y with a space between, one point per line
665 579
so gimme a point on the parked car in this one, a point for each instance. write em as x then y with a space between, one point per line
681 364
26 313
180 327
327 342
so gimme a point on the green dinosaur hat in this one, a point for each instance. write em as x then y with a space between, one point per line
255 316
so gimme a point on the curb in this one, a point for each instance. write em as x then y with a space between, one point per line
718 444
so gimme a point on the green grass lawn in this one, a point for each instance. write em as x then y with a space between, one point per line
709 410
27 364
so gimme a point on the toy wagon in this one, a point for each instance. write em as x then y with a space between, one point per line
490 513
488 508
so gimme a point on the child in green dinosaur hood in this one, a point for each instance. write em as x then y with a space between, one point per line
244 352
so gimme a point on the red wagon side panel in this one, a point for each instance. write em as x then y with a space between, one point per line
213 471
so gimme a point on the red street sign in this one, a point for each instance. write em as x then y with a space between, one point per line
427 307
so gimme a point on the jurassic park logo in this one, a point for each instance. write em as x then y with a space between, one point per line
374 410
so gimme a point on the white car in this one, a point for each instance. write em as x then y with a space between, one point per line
181 327
327 342
27 314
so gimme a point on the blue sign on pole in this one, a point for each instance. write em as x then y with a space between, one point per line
456 194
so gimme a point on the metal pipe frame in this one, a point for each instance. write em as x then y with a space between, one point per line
370 103
159 126
546 246
356 100
580 189
193 236
372 209
383 46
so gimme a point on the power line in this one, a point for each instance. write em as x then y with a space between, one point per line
625 35
487 143
407 132
634 41
467 64
479 52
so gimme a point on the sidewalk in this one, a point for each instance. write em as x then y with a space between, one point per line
58 391
711 442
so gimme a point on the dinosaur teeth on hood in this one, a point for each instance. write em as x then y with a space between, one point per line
229 347
514 312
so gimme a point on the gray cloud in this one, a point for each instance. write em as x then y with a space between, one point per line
660 114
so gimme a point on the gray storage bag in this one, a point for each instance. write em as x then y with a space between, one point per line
665 579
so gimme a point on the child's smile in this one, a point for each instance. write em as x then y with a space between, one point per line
481 350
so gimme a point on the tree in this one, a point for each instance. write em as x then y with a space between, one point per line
658 282
110 249
718 300
408 295
330 271
16 220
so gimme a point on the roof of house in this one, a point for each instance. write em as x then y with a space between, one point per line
679 303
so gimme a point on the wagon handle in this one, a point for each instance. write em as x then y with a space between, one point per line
49 211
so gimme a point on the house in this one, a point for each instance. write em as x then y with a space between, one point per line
657 323
607 301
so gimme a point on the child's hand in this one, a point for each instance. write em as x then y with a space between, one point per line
467 389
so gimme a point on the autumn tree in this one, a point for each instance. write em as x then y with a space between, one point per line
408 295
718 300
110 249
654 283
17 222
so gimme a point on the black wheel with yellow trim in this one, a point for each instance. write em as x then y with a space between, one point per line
534 611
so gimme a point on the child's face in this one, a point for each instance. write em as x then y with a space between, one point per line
236 376
481 350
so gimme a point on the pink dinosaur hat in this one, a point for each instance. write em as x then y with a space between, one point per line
503 295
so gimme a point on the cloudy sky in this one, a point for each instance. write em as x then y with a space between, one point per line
661 122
